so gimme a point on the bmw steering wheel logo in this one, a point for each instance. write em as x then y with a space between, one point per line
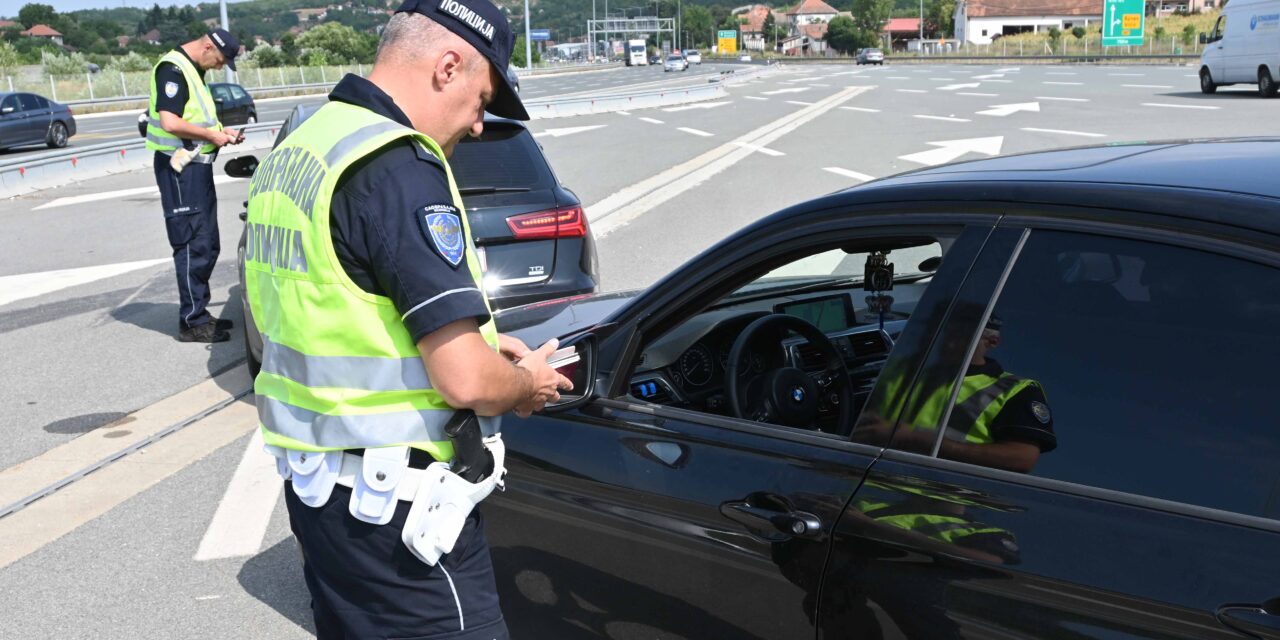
797 394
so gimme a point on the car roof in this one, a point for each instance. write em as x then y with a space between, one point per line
1221 181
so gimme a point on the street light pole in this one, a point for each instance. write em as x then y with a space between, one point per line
226 24
921 24
528 46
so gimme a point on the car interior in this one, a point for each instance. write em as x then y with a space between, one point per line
799 346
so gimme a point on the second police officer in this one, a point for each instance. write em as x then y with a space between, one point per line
363 280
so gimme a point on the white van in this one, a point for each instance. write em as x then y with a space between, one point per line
1244 47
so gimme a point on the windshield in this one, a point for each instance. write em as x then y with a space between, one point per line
837 266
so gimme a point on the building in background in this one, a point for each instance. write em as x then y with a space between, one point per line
981 21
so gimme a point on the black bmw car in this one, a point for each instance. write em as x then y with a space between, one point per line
781 438
531 233
26 118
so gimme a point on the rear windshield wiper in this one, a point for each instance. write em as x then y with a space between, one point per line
471 191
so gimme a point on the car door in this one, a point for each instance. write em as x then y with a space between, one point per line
13 122
224 104
1153 511
1215 55
39 116
628 518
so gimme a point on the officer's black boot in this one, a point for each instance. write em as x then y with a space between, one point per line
207 332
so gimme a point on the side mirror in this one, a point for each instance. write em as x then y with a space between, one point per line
242 167
6 110
1204 38
580 369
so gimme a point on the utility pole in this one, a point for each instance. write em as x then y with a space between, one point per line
226 24
528 46
921 24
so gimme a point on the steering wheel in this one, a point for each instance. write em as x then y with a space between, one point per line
788 395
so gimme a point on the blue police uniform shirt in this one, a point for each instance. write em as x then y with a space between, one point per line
169 80
376 219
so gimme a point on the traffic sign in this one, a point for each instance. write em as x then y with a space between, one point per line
1123 22
539 35
727 41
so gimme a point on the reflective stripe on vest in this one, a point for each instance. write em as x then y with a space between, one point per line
339 368
198 110
980 400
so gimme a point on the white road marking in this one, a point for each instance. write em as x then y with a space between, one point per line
1009 70
698 105
949 150
978 95
943 118
652 120
1061 73
755 147
755 98
862 177
568 131
1002 110
1083 134
1177 106
862 109
240 523
988 76
818 84
943 79
912 91
800 102
781 91
1147 86
1130 75
1004 81
628 204
899 78
623 113
115 195
696 132
31 285
1068 84
953 87
1049 98
845 73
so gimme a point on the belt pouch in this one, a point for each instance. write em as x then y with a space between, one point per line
373 496
282 460
314 474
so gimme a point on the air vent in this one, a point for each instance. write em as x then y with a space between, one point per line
869 345
810 357
654 391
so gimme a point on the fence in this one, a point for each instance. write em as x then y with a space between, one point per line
1067 46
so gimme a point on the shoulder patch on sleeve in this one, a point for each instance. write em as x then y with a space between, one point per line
171 89
442 227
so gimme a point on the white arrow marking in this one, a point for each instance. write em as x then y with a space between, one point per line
240 523
789 90
949 150
1002 110
953 87
568 131
700 105
30 285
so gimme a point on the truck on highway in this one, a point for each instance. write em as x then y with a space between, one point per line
1243 48
636 53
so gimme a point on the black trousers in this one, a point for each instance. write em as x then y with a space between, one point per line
191 220
365 583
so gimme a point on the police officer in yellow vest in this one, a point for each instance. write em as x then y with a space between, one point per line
364 283
184 132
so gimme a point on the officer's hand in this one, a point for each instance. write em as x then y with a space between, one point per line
237 136
221 138
512 347
547 382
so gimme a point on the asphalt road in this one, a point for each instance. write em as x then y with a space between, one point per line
123 127
89 346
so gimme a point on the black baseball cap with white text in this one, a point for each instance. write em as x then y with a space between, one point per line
227 44
484 27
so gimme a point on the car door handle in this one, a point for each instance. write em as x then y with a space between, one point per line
1259 621
789 523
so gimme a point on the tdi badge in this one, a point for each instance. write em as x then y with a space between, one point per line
171 89
443 227
1041 412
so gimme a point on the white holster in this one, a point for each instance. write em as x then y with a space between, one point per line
440 499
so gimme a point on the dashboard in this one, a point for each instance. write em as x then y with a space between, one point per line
688 366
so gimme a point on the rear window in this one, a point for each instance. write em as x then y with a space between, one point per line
504 157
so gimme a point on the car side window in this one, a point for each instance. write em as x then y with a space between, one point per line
238 92
29 102
221 93
1128 365
860 296
10 104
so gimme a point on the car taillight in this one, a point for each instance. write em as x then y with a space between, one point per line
569 222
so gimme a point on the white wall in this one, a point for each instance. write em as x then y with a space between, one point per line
973 30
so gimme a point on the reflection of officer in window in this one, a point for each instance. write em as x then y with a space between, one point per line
1000 420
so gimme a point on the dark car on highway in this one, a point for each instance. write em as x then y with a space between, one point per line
27 118
814 428
531 233
234 106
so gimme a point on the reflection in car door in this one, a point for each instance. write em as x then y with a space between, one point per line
939 548
38 117
627 519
